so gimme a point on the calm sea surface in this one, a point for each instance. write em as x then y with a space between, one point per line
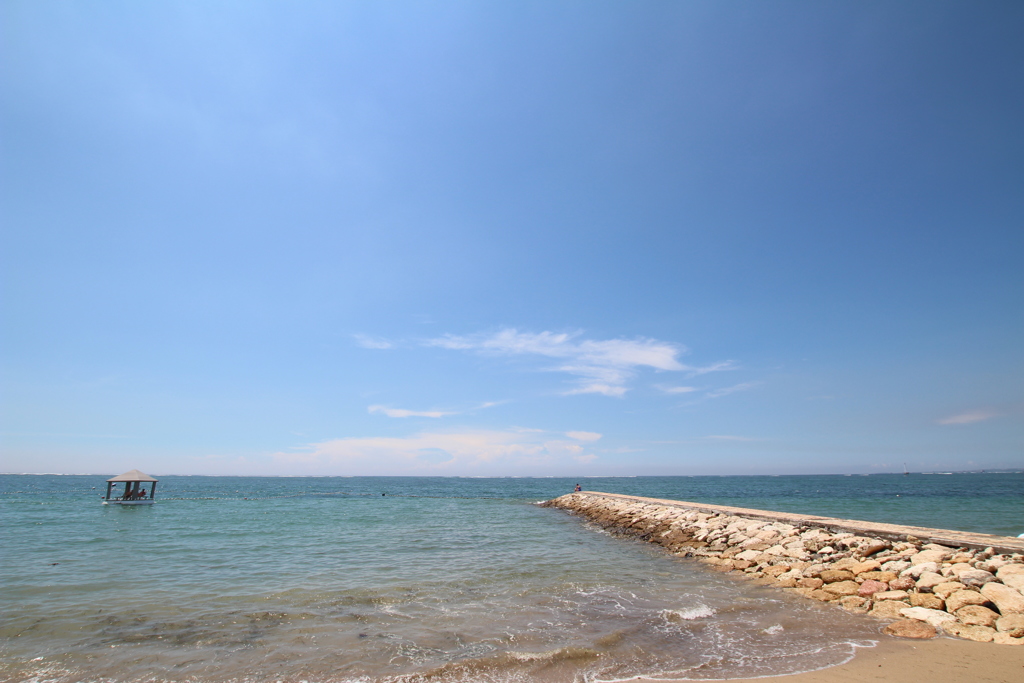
443 579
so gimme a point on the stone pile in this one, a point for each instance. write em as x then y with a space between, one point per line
922 588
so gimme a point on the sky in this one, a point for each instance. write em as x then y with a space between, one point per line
511 238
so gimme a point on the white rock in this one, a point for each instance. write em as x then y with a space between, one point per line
932 616
956 569
858 541
1009 569
1007 639
1015 581
918 569
1011 622
1008 600
929 580
929 556
976 577
936 546
895 566
993 564
890 595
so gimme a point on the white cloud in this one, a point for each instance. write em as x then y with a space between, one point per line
970 417
465 452
598 388
678 390
732 390
714 367
399 412
600 366
583 436
368 342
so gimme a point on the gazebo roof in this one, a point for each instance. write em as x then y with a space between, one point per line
133 475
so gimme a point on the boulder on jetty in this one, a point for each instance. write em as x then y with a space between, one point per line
910 628
962 587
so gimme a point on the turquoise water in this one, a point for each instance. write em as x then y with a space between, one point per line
447 579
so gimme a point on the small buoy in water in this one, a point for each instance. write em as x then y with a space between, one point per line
383 494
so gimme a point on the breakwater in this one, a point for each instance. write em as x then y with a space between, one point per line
923 581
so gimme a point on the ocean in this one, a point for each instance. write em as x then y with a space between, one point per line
331 579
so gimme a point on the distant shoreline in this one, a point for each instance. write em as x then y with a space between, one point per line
521 476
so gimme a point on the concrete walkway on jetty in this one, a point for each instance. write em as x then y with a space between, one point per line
923 581
892 532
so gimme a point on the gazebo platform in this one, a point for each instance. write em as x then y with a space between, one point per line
134 492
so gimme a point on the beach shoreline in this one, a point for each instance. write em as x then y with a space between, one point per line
898 660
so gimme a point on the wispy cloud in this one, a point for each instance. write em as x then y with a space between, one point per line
473 451
402 412
601 366
368 342
679 390
717 393
584 436
969 417
714 367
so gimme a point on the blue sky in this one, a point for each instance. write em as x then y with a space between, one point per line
511 238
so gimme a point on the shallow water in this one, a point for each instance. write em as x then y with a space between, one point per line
324 579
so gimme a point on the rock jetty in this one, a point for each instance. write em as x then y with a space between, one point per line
971 586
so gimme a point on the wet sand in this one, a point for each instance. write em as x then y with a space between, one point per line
942 660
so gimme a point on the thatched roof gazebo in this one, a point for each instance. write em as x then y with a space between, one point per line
134 489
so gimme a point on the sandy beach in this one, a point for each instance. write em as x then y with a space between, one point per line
943 660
